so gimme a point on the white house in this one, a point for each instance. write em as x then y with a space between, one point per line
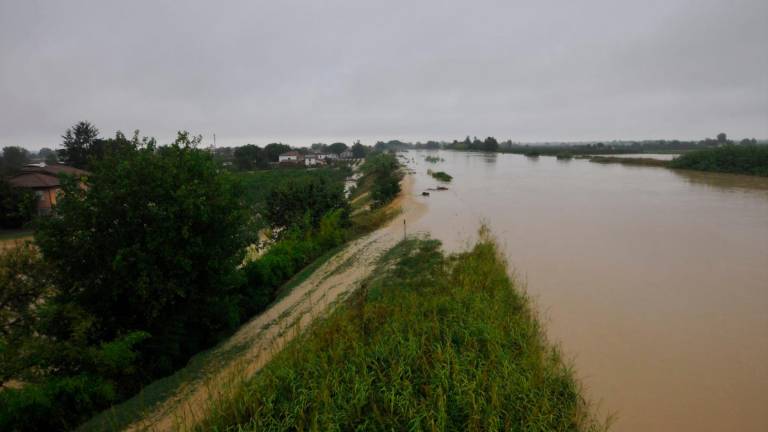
347 154
290 157
312 160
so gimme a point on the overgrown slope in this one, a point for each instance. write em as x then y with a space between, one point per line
430 343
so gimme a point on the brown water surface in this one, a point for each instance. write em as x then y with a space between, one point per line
654 281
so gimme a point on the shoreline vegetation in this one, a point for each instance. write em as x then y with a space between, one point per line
430 342
730 159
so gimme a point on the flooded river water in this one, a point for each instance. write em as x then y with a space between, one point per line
653 281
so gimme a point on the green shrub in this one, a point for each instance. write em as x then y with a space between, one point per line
56 404
17 206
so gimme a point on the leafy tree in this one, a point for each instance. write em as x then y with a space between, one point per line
78 143
384 169
304 202
17 206
24 285
358 150
337 148
722 138
151 245
490 144
249 157
14 159
319 147
274 150
48 155
101 148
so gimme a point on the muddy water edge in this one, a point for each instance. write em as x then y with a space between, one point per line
653 281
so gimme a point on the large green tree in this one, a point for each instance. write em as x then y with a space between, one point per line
78 144
274 150
337 147
358 150
151 244
13 159
249 157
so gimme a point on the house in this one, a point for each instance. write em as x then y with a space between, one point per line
312 159
44 180
290 157
347 155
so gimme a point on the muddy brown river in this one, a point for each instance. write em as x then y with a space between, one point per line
654 282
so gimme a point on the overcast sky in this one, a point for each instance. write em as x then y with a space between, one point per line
307 71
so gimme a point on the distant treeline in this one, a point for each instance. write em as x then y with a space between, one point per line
554 149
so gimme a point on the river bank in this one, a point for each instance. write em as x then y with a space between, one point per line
254 344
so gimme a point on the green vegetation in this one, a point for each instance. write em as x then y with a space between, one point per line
142 269
433 159
382 173
629 161
430 343
440 175
565 155
730 158
17 206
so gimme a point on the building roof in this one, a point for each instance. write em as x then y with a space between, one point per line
291 153
42 176
34 180
54 169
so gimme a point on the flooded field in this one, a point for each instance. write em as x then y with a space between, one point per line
654 281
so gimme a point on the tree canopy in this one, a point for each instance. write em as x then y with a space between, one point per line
78 144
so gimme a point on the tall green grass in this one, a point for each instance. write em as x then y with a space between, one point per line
432 342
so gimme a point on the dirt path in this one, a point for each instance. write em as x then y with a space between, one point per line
268 333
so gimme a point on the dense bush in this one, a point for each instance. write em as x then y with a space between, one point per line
304 201
17 206
383 169
296 250
736 159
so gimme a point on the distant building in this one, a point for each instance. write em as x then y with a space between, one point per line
44 181
290 157
347 154
312 159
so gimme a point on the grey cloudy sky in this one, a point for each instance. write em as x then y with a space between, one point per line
306 71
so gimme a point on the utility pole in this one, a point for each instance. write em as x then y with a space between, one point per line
403 229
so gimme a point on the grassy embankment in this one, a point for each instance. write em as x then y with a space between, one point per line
440 175
431 342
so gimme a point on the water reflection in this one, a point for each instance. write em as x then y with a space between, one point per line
727 182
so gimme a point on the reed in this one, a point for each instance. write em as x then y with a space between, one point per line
431 342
